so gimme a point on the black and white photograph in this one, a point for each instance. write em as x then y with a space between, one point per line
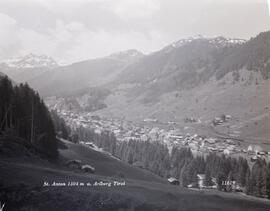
134 105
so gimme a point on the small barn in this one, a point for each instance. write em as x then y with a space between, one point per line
138 164
90 144
75 164
88 169
173 181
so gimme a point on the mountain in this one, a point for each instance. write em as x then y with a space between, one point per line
27 67
31 61
201 78
80 75
128 56
189 62
194 61
218 41
182 63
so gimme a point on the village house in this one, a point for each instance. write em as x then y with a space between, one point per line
254 149
201 182
201 178
173 181
75 164
88 169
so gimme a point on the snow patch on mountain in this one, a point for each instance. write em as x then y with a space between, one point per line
218 41
31 61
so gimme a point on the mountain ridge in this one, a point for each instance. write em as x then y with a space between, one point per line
30 61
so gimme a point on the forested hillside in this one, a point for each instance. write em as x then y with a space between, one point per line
23 114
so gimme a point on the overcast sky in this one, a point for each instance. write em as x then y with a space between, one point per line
73 30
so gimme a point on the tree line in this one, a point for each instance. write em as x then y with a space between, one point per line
24 114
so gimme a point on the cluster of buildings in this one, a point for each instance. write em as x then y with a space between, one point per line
127 130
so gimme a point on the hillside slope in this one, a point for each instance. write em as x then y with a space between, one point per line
23 178
105 164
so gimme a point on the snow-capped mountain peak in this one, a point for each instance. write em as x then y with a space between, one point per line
223 41
218 41
30 61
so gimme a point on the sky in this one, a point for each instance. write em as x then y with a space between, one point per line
75 30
